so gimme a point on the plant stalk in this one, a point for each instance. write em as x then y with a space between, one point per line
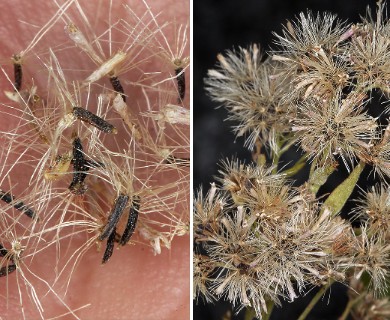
350 305
249 313
314 301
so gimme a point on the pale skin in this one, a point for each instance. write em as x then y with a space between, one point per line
134 284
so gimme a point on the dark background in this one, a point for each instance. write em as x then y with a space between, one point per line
220 25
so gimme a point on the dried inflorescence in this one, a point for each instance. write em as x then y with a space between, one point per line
369 51
367 306
374 208
270 245
317 82
259 239
267 194
251 89
327 129
262 248
310 36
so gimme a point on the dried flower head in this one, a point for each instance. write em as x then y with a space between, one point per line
374 208
373 257
378 153
267 194
309 40
334 127
366 306
208 212
232 250
369 51
203 268
321 80
251 91
370 307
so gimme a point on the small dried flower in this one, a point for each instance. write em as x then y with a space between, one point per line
321 80
374 208
251 92
378 154
369 51
309 40
267 194
374 258
232 250
336 127
208 211
203 268
371 308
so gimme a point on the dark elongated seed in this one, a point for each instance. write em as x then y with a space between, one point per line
109 247
9 198
93 119
181 83
3 251
179 161
131 221
79 167
116 213
18 73
4 271
116 84
78 155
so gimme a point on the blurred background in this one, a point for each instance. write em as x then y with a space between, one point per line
220 25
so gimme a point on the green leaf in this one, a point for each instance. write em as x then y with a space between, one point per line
339 196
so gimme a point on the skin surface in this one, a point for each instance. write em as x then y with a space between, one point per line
135 284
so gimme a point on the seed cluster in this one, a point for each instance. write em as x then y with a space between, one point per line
90 159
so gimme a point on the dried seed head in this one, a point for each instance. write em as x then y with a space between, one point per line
371 307
309 38
374 258
267 194
334 127
369 51
203 269
374 209
321 80
232 247
245 85
208 212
